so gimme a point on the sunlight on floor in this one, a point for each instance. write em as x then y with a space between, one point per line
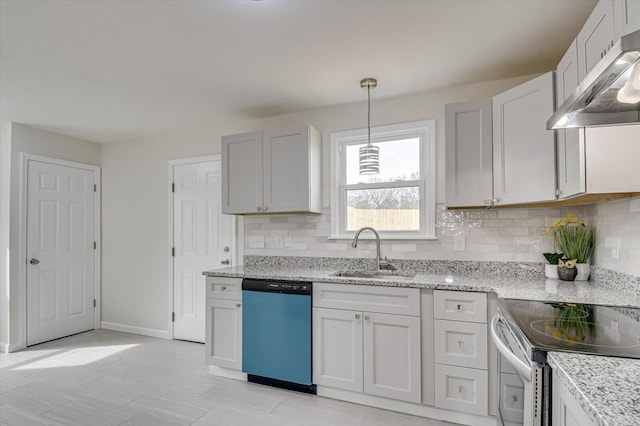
75 357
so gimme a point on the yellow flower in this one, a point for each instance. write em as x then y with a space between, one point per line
557 223
548 231
581 222
570 218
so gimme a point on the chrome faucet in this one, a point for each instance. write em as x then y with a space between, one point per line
379 262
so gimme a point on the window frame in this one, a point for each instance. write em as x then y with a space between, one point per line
423 130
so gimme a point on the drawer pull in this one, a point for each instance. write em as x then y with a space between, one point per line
461 389
238 305
366 317
357 316
459 307
460 343
515 398
223 288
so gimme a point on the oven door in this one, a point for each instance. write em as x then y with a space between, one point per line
519 379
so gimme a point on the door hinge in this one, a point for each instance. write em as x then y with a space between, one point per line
173 317
95 188
173 187
95 245
94 303
173 252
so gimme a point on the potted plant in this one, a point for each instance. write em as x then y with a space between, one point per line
576 240
551 268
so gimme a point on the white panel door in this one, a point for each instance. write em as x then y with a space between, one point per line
60 250
392 356
337 348
202 240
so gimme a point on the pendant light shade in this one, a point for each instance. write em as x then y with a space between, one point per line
369 154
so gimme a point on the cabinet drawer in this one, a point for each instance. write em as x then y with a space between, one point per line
511 397
385 300
224 288
461 343
460 306
462 389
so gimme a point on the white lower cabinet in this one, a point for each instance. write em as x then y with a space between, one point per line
223 327
565 410
511 397
363 351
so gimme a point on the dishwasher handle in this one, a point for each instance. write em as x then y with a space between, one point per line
520 366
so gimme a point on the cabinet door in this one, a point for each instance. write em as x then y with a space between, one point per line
570 146
469 168
596 37
392 356
223 339
627 17
523 149
337 348
565 410
242 173
286 170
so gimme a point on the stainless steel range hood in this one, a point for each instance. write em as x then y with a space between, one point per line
609 94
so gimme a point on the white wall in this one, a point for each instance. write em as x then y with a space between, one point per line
135 198
5 226
26 139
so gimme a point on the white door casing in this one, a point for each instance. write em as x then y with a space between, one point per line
61 242
202 239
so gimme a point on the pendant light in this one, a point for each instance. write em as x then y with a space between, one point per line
369 154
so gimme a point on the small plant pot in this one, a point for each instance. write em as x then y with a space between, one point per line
551 271
584 271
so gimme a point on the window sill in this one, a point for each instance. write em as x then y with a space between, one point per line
368 236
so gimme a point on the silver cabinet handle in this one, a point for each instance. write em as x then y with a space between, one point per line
460 343
366 317
459 307
461 389
226 262
488 201
357 316
264 209
259 209
515 398
223 288
238 305
34 261
226 249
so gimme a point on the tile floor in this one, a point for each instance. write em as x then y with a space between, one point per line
105 377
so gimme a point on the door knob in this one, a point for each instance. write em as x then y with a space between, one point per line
226 262
34 261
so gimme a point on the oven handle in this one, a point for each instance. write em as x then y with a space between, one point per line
521 367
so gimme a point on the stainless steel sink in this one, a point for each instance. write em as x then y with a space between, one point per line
375 274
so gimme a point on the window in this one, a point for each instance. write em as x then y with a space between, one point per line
399 202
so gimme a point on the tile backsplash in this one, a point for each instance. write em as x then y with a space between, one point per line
491 235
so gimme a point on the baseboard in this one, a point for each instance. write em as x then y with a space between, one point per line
214 370
163 334
406 407
10 347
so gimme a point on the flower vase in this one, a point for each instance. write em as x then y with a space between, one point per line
551 271
584 271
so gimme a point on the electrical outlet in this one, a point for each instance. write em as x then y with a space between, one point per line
257 241
615 248
459 243
278 241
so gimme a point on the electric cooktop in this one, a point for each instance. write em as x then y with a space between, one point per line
574 327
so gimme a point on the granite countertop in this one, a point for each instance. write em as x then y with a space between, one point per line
607 388
505 286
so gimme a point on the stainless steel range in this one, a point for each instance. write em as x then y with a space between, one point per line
524 331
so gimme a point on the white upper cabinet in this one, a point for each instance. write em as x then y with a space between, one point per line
272 171
570 147
626 16
523 150
469 170
596 37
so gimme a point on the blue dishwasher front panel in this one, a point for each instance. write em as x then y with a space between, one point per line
276 336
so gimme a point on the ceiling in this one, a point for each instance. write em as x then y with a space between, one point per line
110 71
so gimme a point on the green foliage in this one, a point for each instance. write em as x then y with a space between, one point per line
553 258
575 239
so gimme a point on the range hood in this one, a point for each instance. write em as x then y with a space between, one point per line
609 94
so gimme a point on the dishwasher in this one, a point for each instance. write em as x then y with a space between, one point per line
276 333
